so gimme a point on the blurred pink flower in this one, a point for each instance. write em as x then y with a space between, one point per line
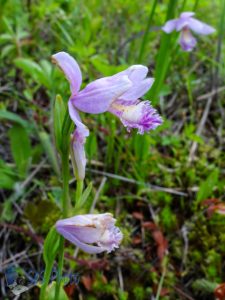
185 23
86 230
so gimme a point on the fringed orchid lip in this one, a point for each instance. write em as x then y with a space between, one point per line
140 115
92 233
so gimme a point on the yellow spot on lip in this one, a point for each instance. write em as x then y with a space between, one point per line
122 108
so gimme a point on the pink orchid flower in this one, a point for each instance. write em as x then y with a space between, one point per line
185 23
86 230
118 94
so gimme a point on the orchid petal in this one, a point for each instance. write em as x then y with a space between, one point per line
170 26
138 90
135 73
182 23
71 70
74 115
84 234
85 247
140 84
88 220
200 27
99 94
187 14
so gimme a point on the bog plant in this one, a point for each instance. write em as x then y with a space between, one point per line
118 94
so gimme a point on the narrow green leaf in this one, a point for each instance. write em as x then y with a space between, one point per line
33 69
145 37
51 245
28 66
21 148
5 37
6 50
7 176
7 211
50 292
59 115
81 202
67 128
9 116
49 150
163 56
207 186
204 286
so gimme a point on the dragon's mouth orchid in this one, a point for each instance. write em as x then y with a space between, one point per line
186 23
91 233
118 94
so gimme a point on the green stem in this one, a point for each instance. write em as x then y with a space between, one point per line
163 56
145 37
65 176
65 206
79 190
160 284
46 279
183 5
60 268
195 5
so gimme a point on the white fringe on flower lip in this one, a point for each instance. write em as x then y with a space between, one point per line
137 114
92 233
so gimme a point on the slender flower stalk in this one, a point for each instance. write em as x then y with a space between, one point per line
86 230
146 33
185 24
65 205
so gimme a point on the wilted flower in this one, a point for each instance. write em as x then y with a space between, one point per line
118 94
185 23
91 233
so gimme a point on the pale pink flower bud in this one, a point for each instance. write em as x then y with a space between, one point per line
92 233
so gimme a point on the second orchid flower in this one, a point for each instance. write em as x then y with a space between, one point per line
185 24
